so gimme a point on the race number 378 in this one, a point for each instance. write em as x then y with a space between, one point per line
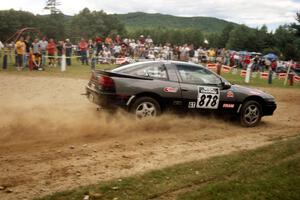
208 97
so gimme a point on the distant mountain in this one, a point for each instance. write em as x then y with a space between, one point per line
139 20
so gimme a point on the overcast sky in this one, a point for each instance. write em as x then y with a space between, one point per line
253 13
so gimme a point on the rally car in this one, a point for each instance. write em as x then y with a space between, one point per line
147 89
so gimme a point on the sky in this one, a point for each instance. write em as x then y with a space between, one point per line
253 13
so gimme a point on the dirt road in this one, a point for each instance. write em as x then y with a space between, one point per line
53 139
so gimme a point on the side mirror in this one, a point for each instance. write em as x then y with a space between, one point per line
225 85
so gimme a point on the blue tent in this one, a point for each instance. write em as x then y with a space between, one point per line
271 56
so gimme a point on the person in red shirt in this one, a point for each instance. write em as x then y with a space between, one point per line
247 61
99 43
118 39
51 49
83 46
273 65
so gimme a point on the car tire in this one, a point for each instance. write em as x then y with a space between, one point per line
251 113
144 107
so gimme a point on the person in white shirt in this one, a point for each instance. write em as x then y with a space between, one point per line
149 40
1 47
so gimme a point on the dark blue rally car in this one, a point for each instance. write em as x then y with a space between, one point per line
149 88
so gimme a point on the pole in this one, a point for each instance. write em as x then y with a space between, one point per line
63 63
287 74
270 77
219 68
248 73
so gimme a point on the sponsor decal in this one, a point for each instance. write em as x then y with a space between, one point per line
192 105
230 94
208 97
228 105
170 89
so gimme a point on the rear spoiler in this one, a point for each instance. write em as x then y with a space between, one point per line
113 74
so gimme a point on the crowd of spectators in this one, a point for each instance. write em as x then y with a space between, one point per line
47 52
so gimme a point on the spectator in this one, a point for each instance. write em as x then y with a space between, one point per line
51 49
273 65
108 41
141 40
36 46
36 60
149 40
27 51
10 49
91 48
1 47
117 50
43 48
118 40
99 44
20 50
68 48
60 51
83 45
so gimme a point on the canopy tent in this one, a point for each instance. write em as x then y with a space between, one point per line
271 56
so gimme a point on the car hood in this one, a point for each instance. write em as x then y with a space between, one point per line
252 92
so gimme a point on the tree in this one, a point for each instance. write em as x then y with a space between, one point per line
296 26
12 21
224 37
52 6
241 38
89 24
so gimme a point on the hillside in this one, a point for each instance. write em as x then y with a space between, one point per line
144 20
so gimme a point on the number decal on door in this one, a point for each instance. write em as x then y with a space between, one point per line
208 97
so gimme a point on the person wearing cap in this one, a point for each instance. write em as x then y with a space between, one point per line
68 49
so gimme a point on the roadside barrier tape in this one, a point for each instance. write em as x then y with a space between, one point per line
264 75
211 66
282 76
226 69
13 54
62 56
297 79
243 73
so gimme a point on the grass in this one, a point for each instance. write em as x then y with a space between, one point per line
271 172
257 81
83 71
76 70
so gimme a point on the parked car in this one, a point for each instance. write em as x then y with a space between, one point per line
147 89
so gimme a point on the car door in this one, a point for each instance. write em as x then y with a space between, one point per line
200 88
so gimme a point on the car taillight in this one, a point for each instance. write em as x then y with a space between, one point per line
106 82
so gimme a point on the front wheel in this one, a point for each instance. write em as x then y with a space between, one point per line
145 107
251 113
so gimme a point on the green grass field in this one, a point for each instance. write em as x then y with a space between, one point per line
265 173
83 71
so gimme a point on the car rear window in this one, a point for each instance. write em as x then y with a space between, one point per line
152 70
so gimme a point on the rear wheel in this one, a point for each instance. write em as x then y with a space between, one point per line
251 113
145 107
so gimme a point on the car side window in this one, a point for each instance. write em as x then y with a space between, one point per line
152 70
196 75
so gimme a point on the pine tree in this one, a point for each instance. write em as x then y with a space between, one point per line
52 6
